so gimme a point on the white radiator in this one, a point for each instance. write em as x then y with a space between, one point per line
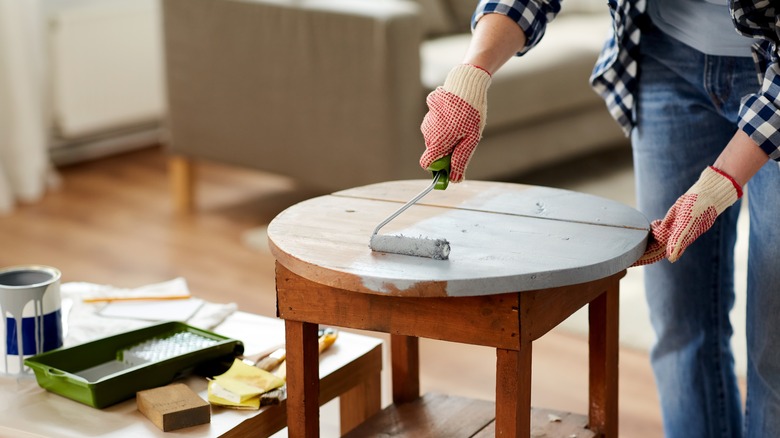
106 66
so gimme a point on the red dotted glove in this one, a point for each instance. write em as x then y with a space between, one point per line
456 118
692 215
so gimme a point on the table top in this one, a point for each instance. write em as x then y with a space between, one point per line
504 237
27 410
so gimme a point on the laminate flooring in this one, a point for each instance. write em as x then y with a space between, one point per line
111 222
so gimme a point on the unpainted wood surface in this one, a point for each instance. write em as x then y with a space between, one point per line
468 319
603 316
481 320
442 416
405 356
504 238
550 423
490 320
303 388
507 198
360 403
433 415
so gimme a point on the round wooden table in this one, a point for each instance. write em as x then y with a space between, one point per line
523 259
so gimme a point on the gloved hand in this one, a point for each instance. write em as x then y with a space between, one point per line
692 215
456 118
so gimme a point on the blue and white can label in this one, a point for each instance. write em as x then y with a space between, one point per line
32 317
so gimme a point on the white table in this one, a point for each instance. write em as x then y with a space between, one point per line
350 369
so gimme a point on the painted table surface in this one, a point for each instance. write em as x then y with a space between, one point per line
505 238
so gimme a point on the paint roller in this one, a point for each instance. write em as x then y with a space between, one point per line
438 249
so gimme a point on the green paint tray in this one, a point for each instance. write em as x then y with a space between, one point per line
112 369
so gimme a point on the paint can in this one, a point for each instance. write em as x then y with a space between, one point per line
32 317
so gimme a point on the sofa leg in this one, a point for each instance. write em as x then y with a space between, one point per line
182 178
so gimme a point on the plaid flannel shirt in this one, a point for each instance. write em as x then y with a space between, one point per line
614 76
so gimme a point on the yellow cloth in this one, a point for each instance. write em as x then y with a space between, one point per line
241 386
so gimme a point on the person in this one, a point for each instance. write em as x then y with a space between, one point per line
683 85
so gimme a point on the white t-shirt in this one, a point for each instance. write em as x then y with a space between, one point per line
704 25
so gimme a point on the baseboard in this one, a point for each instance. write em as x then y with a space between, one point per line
71 151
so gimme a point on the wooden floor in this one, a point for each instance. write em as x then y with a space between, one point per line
111 222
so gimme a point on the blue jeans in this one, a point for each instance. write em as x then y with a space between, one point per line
686 114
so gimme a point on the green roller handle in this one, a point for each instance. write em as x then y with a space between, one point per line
441 172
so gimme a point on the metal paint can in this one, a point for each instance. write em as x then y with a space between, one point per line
32 314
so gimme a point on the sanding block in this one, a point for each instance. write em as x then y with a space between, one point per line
173 407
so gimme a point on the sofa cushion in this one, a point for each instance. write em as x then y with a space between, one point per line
436 18
461 12
585 6
521 90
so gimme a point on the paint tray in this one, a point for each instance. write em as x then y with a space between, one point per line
112 369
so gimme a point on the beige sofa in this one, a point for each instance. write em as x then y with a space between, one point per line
332 92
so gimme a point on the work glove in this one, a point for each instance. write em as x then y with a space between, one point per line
456 118
692 215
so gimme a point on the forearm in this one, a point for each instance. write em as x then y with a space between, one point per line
741 158
495 40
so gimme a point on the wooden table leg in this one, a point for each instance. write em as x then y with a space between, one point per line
513 391
360 403
603 314
405 358
303 381
181 172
